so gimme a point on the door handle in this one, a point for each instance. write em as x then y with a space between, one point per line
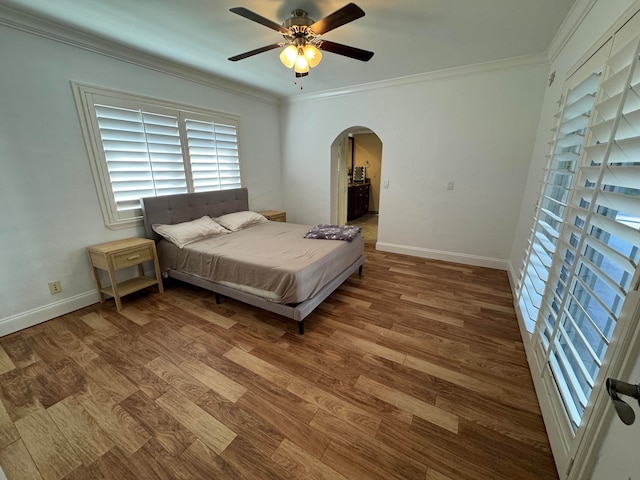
623 409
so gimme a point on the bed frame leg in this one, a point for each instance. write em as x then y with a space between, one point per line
217 298
360 270
301 327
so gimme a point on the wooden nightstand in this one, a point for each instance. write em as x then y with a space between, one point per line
274 215
114 256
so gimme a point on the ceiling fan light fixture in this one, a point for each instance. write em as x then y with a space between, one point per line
302 42
289 55
302 64
312 54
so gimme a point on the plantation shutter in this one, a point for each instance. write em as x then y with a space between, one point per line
143 154
604 247
572 122
141 147
595 236
213 154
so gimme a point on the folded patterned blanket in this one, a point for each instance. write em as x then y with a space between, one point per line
333 232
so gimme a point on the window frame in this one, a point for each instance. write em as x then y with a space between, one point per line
86 96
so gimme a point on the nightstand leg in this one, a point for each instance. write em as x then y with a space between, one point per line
96 275
114 287
156 267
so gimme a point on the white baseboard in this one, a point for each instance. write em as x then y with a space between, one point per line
42 314
513 278
466 259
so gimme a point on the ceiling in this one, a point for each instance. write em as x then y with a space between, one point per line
408 37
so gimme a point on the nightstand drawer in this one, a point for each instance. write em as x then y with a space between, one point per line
132 257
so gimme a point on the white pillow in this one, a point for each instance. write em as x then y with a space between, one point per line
239 220
185 233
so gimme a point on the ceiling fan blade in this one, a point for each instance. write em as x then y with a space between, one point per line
248 14
347 51
254 52
346 14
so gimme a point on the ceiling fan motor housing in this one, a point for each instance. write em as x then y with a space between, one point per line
298 18
298 25
303 32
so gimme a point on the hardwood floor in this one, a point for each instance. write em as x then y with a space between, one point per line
369 224
415 370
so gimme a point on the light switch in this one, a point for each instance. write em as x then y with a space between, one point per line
450 185
385 184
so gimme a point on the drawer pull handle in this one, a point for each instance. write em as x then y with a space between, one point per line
133 257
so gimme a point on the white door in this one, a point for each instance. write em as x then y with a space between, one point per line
617 455
609 180
585 249
342 180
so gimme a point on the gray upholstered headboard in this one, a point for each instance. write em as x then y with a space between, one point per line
171 209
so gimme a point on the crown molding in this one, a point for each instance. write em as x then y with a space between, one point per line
70 36
610 32
505 64
572 21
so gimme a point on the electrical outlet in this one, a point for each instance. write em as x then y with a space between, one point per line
55 287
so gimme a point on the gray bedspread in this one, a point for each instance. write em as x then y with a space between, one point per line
272 260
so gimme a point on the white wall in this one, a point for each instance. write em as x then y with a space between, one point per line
473 126
50 211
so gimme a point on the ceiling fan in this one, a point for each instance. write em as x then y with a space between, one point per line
302 37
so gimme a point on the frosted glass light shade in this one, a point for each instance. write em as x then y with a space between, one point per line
312 54
302 65
289 55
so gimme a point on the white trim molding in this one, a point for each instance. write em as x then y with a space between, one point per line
101 46
47 312
463 258
572 21
509 63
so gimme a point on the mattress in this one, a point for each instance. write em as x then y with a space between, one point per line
272 260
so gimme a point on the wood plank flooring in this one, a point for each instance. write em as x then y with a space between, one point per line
415 370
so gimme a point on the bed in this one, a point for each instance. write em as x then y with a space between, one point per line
266 264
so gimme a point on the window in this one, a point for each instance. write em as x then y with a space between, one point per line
141 147
552 203
584 249
601 246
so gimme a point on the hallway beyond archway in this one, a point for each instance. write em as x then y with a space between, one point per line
369 224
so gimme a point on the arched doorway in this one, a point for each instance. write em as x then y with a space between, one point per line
356 180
